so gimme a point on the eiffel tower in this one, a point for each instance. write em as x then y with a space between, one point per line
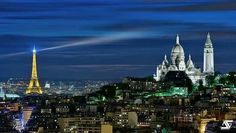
34 86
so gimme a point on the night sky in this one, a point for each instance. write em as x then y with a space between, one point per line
151 25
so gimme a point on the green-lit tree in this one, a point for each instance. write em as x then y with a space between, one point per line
210 80
223 80
201 87
231 78
108 91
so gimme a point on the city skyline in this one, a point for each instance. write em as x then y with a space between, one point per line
48 24
109 66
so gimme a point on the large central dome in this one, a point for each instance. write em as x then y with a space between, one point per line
177 52
177 48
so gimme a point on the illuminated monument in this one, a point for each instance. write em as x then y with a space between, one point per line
178 63
34 87
208 65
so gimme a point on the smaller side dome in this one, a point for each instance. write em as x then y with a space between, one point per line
190 62
165 62
182 66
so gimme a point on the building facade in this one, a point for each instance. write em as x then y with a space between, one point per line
178 63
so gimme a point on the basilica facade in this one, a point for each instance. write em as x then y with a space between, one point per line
178 63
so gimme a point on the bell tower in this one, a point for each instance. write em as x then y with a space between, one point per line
208 65
34 86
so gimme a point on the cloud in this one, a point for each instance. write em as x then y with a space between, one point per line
208 6
183 6
49 17
37 6
102 67
107 65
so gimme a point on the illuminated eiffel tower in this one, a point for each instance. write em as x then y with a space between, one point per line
34 87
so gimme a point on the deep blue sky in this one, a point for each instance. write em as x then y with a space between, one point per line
49 23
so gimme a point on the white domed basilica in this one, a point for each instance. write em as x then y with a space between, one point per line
178 63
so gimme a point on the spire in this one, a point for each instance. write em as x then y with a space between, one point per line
165 61
208 40
208 64
177 39
208 35
190 62
34 50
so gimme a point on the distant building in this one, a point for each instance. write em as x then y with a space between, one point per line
124 119
4 95
183 117
178 63
231 114
11 106
80 124
63 108
106 128
203 123
47 85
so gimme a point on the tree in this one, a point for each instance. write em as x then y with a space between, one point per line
108 91
210 79
231 78
222 80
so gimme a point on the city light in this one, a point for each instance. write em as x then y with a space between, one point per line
34 50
